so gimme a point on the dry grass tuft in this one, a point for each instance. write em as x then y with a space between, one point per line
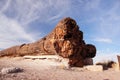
107 64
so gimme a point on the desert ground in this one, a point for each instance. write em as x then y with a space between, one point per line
51 70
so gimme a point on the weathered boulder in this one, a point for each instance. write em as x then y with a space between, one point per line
65 40
88 61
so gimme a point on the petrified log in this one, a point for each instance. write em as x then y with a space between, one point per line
65 40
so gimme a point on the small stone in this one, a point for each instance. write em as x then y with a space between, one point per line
93 68
11 70
13 75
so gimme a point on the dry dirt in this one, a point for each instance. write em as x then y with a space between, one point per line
50 70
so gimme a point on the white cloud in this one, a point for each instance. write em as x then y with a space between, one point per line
104 22
17 15
105 40
93 4
27 11
4 7
11 32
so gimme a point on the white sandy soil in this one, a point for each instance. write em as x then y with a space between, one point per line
50 70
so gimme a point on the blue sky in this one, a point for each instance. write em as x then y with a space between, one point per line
24 21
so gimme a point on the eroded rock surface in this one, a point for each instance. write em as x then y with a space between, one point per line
65 40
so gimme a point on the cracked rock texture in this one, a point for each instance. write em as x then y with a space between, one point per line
65 40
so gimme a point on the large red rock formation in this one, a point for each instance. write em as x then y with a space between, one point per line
65 40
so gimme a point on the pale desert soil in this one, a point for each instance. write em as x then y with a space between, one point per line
47 70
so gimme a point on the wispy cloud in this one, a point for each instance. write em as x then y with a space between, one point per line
12 33
104 21
16 17
103 40
4 7
27 11
93 4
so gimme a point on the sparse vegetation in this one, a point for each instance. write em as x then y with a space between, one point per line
107 64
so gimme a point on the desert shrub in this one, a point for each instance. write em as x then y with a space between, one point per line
107 64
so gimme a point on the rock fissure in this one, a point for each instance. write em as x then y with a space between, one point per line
65 40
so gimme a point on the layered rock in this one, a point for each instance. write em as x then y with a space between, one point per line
65 40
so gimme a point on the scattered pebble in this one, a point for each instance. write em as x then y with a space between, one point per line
11 70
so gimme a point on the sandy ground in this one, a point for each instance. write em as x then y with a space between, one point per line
50 70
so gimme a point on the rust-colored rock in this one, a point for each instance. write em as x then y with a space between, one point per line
65 40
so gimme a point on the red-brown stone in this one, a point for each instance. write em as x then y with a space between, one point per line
65 40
